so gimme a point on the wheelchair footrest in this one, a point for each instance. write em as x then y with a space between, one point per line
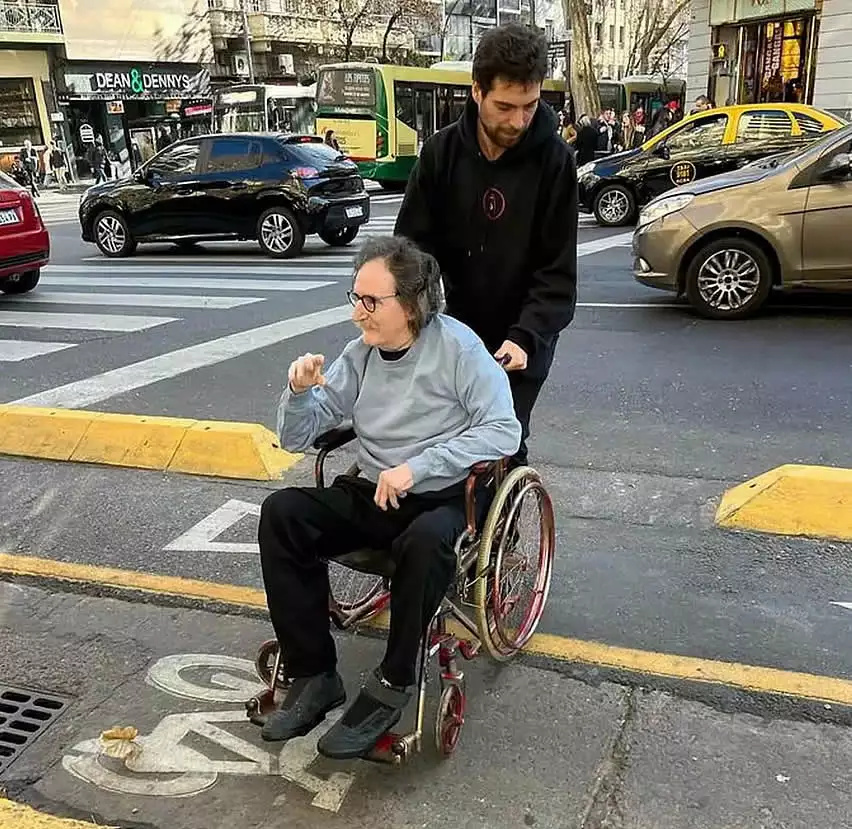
260 706
393 749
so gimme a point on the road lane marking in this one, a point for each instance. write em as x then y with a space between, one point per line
345 268
81 322
13 351
600 245
82 393
138 300
204 260
190 282
734 675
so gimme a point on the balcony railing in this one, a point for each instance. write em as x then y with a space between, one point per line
33 18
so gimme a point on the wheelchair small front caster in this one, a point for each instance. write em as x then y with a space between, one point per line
449 719
260 706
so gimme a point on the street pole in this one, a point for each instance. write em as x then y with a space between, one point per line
247 40
532 13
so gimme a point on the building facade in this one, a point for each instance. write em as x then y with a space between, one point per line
764 51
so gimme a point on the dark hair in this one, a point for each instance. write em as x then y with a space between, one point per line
417 276
514 52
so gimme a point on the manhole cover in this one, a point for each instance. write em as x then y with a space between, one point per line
24 714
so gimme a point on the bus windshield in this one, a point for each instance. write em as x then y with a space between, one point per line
264 108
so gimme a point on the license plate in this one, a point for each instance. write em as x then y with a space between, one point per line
352 212
9 217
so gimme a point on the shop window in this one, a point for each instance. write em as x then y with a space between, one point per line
177 160
764 124
807 124
228 155
18 113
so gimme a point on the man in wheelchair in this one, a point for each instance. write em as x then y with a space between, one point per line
427 402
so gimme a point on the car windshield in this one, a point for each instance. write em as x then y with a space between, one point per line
315 154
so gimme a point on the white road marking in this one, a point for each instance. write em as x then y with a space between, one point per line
628 305
205 260
598 245
846 605
202 537
187 282
201 269
82 393
81 322
139 300
13 351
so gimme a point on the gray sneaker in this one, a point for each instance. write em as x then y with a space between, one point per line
307 702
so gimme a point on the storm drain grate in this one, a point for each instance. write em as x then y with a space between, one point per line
24 715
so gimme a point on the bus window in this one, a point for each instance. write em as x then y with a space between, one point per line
415 107
451 101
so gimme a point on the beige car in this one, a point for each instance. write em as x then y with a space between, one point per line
728 241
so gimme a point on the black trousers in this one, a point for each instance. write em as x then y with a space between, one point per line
300 525
525 391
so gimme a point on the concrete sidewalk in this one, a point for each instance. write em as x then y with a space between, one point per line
538 749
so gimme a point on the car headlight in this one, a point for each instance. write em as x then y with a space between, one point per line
585 169
664 207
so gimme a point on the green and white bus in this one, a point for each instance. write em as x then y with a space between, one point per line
381 114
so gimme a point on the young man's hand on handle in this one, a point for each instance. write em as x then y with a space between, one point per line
306 372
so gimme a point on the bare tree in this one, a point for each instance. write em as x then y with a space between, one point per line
191 41
583 80
659 25
348 17
409 14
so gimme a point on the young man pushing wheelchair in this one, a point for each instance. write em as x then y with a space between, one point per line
427 402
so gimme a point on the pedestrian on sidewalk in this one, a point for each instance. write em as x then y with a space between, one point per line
30 164
493 197
56 160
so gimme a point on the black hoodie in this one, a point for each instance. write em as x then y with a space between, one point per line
504 232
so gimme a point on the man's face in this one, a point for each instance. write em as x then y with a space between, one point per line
506 110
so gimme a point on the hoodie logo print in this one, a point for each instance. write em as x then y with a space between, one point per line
493 204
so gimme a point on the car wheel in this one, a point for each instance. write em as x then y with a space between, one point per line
20 283
339 238
112 235
279 234
729 279
615 206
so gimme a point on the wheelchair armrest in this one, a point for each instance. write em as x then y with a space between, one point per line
479 470
327 443
334 439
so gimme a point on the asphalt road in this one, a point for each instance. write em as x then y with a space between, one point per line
649 414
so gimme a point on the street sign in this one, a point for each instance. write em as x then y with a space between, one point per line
87 134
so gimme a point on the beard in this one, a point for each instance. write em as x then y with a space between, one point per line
501 136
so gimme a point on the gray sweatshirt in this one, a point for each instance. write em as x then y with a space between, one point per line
442 407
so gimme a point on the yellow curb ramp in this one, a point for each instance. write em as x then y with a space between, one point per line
794 499
17 816
221 449
732 675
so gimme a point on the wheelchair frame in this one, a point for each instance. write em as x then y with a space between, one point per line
440 639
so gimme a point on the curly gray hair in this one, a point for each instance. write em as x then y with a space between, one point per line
416 273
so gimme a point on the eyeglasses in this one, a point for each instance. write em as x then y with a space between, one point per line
369 302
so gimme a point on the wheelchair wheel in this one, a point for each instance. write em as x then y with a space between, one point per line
515 564
352 588
449 719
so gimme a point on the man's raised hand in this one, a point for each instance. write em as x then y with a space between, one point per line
305 372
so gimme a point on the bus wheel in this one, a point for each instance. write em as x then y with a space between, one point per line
279 234
339 238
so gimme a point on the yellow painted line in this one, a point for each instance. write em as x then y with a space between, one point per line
813 501
759 679
18 816
246 451
150 583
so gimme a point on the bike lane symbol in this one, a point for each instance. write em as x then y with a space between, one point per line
164 766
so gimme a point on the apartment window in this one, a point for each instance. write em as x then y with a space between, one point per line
621 35
484 8
612 35
598 28
18 112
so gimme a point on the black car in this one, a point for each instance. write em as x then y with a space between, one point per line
705 144
274 188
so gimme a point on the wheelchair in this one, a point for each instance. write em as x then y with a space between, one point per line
486 606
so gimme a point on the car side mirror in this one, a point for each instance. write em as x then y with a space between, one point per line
662 151
839 167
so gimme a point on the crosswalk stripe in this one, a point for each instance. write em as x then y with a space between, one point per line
82 393
205 269
186 282
215 303
81 322
13 351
